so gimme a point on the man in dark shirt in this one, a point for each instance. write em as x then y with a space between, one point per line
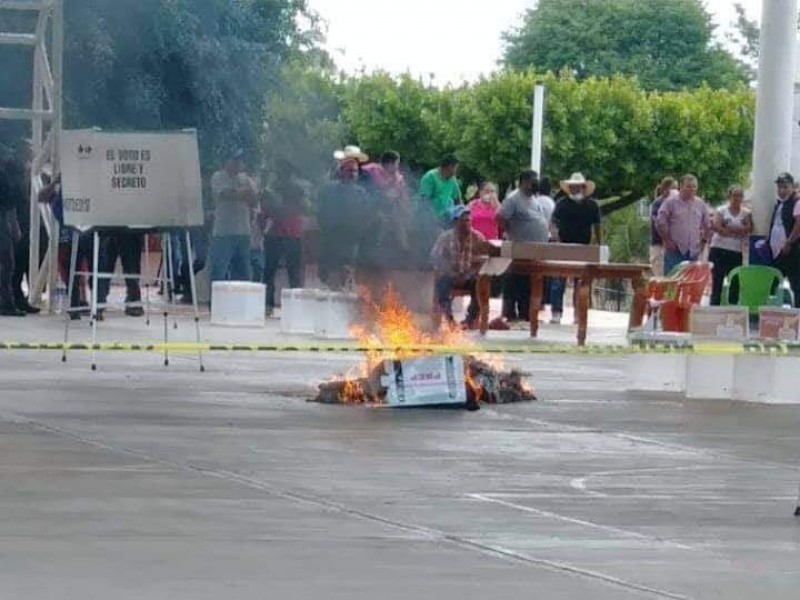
343 216
10 235
576 217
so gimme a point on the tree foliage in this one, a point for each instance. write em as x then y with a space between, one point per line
172 64
667 44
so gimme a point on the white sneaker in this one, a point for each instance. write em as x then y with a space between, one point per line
555 319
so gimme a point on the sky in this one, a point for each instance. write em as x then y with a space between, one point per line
454 40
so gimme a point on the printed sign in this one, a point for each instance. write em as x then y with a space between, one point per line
425 381
720 322
131 179
780 324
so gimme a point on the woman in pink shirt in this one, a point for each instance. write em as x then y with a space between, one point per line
484 212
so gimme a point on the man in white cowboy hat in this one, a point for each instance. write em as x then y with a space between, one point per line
439 188
343 216
575 218
351 152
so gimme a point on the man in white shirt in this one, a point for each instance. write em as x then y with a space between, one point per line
234 196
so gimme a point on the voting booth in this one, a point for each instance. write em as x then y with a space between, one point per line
146 181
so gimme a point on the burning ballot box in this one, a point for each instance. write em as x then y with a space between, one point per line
407 367
435 380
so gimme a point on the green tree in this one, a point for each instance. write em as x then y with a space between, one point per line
667 44
304 123
172 64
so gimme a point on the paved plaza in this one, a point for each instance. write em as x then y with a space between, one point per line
140 481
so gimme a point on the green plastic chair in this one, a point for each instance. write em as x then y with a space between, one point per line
756 285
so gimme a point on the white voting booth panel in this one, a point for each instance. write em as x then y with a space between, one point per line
238 303
113 179
135 180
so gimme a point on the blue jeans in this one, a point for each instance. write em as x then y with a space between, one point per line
557 287
673 259
230 258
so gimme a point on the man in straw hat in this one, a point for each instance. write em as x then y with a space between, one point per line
343 217
575 218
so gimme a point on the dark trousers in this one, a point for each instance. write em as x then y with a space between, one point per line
127 246
724 262
516 297
291 251
789 265
445 284
6 263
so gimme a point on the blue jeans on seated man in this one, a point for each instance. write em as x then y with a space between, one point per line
673 258
230 258
445 284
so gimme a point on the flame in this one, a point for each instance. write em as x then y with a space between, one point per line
388 331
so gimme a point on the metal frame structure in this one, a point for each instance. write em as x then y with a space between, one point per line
47 44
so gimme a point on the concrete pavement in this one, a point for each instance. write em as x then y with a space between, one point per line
143 482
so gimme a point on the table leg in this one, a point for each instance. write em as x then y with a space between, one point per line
484 295
582 310
537 292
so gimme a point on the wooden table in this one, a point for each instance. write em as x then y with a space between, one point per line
585 274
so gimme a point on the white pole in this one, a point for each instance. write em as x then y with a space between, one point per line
772 149
538 124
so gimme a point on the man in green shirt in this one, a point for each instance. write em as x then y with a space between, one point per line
439 187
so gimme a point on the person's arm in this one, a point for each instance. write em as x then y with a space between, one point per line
47 193
426 187
662 224
439 255
222 190
794 235
506 213
747 229
598 225
705 227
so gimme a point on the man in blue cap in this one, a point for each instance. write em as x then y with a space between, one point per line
457 257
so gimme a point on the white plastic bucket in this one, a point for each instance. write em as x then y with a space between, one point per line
238 303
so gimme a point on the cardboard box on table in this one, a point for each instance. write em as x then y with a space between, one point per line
511 251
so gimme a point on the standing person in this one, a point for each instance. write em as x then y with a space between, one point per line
127 245
440 190
731 225
684 225
666 188
576 219
10 235
51 194
234 196
258 230
526 217
785 233
456 258
19 186
343 216
386 176
484 211
285 212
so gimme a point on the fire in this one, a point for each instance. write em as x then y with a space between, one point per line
388 331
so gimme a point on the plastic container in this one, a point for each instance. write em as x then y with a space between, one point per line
334 314
238 303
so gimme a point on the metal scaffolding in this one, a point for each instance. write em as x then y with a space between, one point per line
47 45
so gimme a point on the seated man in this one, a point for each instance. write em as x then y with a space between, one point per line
457 257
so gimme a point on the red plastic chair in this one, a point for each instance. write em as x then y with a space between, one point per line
674 296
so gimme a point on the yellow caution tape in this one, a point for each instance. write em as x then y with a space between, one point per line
697 348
